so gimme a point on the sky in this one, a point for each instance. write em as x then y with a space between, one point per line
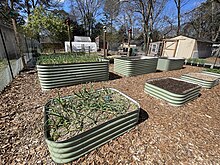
170 9
189 6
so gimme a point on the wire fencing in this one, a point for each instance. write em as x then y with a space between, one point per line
10 57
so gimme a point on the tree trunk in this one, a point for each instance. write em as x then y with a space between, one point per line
17 38
178 13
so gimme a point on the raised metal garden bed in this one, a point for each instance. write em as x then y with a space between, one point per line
132 66
211 73
83 140
166 64
204 80
60 75
175 91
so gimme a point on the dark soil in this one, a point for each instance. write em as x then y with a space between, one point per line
172 85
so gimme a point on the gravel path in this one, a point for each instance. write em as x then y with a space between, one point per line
189 134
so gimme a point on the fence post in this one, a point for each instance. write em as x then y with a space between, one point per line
6 52
25 39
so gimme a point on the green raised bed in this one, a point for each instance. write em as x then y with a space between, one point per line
60 75
82 143
175 99
132 66
204 80
211 73
166 64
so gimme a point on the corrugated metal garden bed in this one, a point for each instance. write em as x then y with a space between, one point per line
132 66
73 129
174 91
204 80
166 64
59 75
212 72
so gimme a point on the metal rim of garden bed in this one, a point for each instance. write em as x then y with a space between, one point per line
71 149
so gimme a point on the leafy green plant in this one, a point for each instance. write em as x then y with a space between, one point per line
189 60
83 110
213 70
201 61
66 58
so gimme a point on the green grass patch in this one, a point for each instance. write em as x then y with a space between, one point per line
67 58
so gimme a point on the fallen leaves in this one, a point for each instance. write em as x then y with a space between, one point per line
189 134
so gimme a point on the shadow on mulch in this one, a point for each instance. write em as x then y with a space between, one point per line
113 76
143 115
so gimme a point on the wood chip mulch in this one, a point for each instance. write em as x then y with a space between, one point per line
189 134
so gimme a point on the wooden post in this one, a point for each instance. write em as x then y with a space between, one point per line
129 42
67 21
104 41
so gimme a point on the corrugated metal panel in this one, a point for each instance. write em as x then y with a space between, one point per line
170 64
201 82
171 98
135 66
53 76
211 74
79 145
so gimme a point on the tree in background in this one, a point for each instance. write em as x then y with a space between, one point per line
204 21
111 11
86 11
179 4
46 24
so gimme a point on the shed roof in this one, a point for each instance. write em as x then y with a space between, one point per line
82 39
182 37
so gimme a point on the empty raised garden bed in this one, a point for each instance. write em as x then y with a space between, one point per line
131 66
212 72
77 124
60 72
206 81
166 64
175 91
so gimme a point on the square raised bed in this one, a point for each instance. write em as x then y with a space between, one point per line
175 91
166 64
53 75
132 66
77 124
206 81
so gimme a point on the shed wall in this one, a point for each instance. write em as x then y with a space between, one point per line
185 48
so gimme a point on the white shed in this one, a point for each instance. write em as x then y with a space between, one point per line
186 47
81 44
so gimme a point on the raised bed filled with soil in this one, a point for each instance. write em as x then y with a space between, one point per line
54 75
212 72
206 81
132 66
166 64
78 124
175 91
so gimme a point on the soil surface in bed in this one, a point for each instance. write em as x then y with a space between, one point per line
172 85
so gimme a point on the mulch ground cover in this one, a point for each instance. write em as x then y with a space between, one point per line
189 134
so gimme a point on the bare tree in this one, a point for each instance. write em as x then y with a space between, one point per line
204 21
179 4
87 11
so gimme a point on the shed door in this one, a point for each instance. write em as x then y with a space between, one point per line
170 47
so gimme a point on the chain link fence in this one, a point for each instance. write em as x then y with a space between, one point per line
10 59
